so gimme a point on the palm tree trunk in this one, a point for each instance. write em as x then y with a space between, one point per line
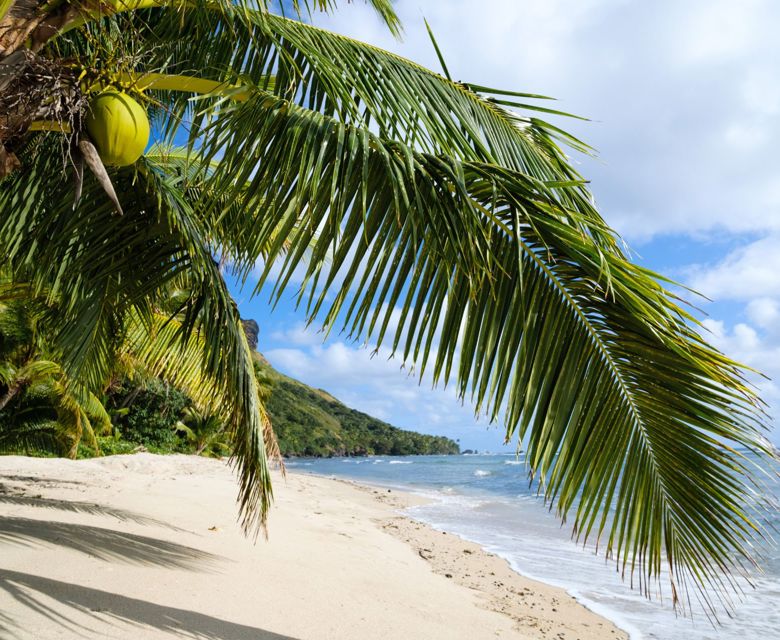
9 395
131 397
24 25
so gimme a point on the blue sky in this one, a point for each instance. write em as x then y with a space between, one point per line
684 101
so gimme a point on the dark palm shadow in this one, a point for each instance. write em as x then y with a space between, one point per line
33 591
106 544
90 508
37 480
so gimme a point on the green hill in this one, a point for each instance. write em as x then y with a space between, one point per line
311 422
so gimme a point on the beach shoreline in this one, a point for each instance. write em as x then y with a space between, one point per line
138 546
404 500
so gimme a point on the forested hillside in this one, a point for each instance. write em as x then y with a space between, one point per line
42 412
311 422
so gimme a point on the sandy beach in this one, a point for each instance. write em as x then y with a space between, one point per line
147 546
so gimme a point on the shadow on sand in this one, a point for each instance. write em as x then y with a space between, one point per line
38 480
106 544
36 594
89 508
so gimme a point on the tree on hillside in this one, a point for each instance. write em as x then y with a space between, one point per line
399 192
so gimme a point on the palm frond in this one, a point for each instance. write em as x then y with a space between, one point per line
357 84
32 436
97 268
346 79
383 8
587 356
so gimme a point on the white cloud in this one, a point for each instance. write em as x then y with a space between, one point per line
764 312
745 136
717 30
750 272
757 349
298 334
742 338
683 95
379 386
761 90
750 276
292 361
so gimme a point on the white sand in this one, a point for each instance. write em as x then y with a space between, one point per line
148 547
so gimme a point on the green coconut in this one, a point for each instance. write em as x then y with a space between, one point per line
119 128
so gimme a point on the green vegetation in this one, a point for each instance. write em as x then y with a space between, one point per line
41 413
440 219
148 412
42 409
311 422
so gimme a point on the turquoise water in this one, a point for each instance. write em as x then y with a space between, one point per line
487 499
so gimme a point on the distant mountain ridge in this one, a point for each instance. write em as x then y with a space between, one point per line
311 422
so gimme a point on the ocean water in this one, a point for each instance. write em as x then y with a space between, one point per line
487 499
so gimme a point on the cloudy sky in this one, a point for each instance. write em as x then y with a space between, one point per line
684 102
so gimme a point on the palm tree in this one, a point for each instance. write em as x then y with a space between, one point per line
206 431
41 409
396 189
56 409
